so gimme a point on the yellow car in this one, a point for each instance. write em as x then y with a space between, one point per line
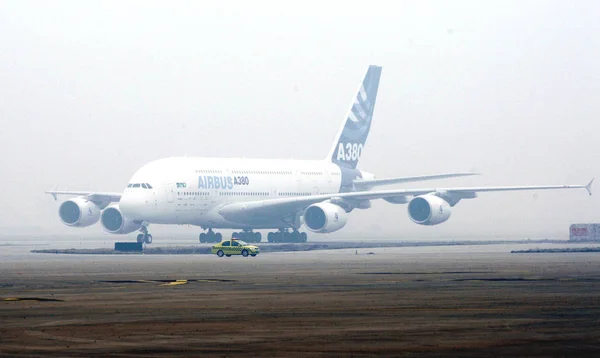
234 247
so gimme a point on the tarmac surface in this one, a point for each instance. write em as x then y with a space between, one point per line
412 301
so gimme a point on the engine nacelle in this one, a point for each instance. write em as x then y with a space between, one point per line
114 222
79 212
429 210
325 217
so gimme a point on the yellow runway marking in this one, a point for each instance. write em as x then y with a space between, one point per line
175 283
168 282
38 299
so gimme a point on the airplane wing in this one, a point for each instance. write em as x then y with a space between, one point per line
244 211
369 183
90 195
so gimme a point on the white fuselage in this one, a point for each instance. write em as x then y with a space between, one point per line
191 190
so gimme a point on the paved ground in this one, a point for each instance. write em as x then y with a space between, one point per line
439 301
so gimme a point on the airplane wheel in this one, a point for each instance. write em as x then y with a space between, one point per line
270 237
202 238
140 238
257 237
245 253
218 237
294 236
303 237
148 239
220 253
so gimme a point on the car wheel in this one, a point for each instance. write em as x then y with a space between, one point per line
245 253
228 255
220 253
253 255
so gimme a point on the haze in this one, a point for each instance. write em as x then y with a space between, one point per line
89 92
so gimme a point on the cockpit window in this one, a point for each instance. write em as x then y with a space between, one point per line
137 185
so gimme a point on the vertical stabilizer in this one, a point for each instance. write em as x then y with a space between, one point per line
351 138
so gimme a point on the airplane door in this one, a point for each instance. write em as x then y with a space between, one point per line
328 176
170 193
298 180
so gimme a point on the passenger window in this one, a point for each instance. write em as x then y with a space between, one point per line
149 186
144 186
130 185
136 185
234 243
226 243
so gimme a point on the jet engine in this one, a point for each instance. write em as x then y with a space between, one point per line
428 210
325 217
114 222
79 212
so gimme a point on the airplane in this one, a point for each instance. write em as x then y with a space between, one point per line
257 194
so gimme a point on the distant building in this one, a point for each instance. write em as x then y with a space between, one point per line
584 232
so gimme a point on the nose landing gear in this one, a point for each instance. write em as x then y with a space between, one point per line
144 237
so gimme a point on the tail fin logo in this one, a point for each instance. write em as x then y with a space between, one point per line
349 151
359 118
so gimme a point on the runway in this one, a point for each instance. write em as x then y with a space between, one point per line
426 301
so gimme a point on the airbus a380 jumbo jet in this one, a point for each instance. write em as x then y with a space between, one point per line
251 194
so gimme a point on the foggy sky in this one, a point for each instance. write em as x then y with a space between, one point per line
89 92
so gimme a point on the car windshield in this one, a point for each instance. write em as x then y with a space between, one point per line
242 243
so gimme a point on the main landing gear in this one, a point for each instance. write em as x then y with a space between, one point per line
247 236
285 236
210 236
281 236
144 237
